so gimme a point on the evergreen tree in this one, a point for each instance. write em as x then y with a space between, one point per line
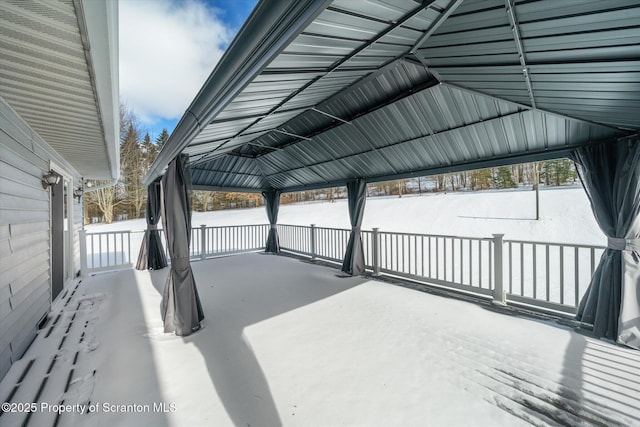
558 172
162 138
132 170
502 178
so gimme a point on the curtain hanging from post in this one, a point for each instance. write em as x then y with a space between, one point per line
353 263
272 203
610 174
152 255
181 308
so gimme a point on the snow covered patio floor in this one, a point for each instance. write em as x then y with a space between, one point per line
286 342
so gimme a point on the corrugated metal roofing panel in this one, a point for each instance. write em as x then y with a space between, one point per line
381 10
274 120
400 122
306 43
566 45
220 130
332 23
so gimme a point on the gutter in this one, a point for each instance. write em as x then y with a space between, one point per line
270 28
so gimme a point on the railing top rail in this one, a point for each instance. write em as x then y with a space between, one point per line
113 232
569 245
231 226
445 236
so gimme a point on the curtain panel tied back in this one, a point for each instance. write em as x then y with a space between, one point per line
353 263
181 308
610 173
152 255
272 204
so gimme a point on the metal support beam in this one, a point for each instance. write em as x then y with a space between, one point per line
284 132
436 24
324 113
513 21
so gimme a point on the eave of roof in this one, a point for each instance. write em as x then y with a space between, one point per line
60 74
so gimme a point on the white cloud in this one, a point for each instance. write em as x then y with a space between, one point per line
167 50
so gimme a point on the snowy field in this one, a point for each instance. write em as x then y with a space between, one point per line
287 343
565 215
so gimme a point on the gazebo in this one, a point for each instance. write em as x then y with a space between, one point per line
323 93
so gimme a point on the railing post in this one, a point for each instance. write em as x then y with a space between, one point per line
375 252
499 295
83 252
312 230
203 241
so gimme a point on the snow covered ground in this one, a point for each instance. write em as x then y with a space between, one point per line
566 215
287 343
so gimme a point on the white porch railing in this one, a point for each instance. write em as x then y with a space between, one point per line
547 276
115 250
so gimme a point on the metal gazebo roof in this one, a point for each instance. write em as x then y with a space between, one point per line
313 94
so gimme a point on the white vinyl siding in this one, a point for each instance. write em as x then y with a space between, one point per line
25 275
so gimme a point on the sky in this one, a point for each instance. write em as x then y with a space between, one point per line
168 48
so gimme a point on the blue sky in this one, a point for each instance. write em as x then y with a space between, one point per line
167 50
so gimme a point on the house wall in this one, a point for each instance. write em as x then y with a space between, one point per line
25 266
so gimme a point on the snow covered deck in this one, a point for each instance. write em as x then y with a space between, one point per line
286 342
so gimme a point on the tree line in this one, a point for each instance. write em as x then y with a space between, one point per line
128 197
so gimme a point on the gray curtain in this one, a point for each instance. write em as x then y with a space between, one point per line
353 263
272 203
152 255
181 308
610 173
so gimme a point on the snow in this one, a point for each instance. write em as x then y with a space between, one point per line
566 215
286 342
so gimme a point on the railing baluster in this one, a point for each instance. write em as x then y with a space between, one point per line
535 270
430 252
444 254
422 255
522 269
437 258
480 263
470 262
510 268
561 274
461 261
577 275
547 276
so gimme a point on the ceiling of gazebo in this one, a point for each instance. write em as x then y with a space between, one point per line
313 94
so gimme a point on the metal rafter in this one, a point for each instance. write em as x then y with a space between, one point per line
513 21
436 24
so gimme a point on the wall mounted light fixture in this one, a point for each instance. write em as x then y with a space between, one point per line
50 179
77 193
